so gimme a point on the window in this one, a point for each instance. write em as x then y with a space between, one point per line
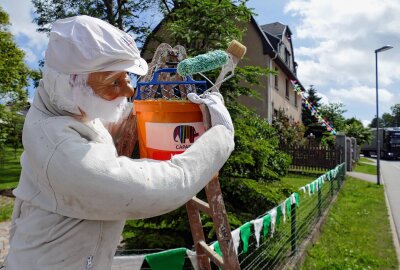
276 80
295 99
287 57
287 89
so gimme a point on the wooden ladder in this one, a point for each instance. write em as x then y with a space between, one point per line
215 208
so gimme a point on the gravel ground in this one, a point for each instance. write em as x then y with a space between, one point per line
4 229
4 245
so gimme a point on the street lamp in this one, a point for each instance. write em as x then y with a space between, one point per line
378 149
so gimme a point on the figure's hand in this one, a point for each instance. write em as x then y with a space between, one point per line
215 104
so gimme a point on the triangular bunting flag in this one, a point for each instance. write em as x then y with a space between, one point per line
288 207
278 215
283 209
193 258
258 224
172 259
297 197
266 224
273 220
236 239
245 231
217 248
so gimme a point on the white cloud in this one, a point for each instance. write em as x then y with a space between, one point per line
343 36
361 94
30 56
365 122
21 16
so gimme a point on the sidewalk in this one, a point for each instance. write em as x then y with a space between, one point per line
363 176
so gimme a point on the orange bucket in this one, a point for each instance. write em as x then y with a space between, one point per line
167 127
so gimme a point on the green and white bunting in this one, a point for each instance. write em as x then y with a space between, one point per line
174 259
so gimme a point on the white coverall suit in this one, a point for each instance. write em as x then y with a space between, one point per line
75 193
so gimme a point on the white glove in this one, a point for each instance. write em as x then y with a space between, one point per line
216 108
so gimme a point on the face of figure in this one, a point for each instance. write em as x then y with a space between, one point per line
110 84
102 95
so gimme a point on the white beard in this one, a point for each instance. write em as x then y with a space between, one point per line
108 111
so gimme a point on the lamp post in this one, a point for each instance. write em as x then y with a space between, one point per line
378 143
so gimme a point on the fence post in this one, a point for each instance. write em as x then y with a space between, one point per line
293 229
331 189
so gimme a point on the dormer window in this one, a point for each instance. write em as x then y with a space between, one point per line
287 57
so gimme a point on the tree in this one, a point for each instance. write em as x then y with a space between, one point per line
395 115
373 123
333 113
309 121
14 72
354 128
389 120
123 14
13 83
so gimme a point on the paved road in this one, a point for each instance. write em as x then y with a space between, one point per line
390 171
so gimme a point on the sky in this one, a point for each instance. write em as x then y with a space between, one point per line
334 44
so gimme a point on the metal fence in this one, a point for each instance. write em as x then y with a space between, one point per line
282 249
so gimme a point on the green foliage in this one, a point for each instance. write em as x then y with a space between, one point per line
374 122
13 83
122 14
201 26
290 134
354 128
357 233
333 112
395 115
309 121
388 119
14 72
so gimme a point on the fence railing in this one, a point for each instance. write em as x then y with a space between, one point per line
271 241
312 157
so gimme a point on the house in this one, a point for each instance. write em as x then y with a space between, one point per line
269 46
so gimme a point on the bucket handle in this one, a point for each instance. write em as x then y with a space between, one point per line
155 81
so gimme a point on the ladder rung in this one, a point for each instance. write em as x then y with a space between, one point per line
212 254
201 205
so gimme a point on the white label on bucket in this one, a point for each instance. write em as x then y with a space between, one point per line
172 136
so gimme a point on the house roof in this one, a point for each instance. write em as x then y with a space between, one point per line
276 29
270 45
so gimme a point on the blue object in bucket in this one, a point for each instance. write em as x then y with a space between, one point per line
145 90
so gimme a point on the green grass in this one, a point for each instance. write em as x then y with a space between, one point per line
365 160
365 168
6 208
10 169
299 180
357 232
